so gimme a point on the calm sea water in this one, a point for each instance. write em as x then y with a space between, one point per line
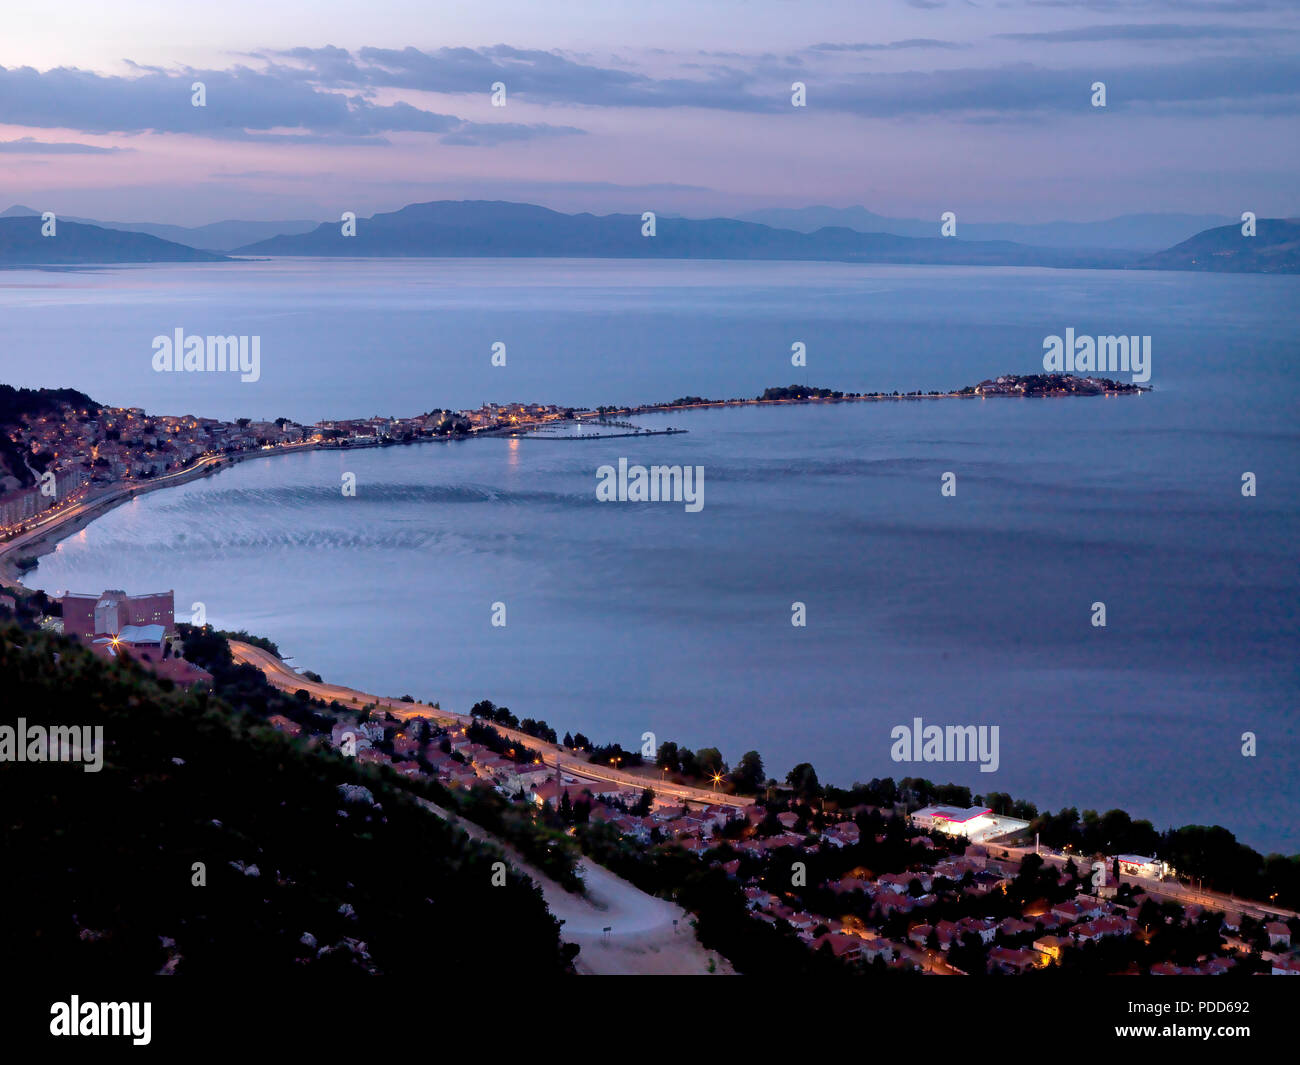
632 618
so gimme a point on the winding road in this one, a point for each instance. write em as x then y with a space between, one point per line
285 678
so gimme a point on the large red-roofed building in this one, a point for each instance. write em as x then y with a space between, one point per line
109 613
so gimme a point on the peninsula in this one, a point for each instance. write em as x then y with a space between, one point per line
65 458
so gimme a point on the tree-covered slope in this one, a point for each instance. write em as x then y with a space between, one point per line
97 868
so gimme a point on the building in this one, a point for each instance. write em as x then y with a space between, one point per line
150 655
108 614
1279 934
1011 960
136 636
1136 865
970 822
1049 947
19 507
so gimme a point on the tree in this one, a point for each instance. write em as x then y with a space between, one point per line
749 775
710 761
803 778
688 765
970 955
668 756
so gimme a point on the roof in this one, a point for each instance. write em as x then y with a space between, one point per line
953 813
141 634
113 593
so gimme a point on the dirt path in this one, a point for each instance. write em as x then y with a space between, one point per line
647 936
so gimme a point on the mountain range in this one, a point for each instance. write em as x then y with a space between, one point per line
497 228
1275 249
1131 232
74 243
482 228
215 236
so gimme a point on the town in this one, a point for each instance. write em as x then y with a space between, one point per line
59 450
865 881
65 454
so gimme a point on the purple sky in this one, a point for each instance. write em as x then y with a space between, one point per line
914 106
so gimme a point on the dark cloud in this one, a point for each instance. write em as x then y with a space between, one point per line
242 104
1252 83
327 95
892 46
538 75
31 146
1189 7
1013 91
1146 32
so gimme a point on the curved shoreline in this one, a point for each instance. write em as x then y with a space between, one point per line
43 539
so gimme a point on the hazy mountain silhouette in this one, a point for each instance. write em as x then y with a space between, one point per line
21 244
1275 249
495 228
1131 232
215 236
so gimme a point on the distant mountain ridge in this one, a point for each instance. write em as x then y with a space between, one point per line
467 228
496 228
215 236
21 244
1149 232
1274 249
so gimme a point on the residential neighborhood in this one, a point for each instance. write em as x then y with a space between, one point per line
89 448
820 878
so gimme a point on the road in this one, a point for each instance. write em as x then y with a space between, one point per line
1182 893
646 936
287 679
50 525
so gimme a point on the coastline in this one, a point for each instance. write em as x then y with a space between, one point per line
281 675
43 539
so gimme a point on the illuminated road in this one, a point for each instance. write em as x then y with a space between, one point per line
647 935
107 497
1171 889
286 679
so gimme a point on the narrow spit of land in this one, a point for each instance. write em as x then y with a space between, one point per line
42 534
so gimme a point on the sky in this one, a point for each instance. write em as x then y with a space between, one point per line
913 107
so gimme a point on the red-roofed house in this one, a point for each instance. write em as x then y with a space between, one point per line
843 947
1101 928
1014 961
